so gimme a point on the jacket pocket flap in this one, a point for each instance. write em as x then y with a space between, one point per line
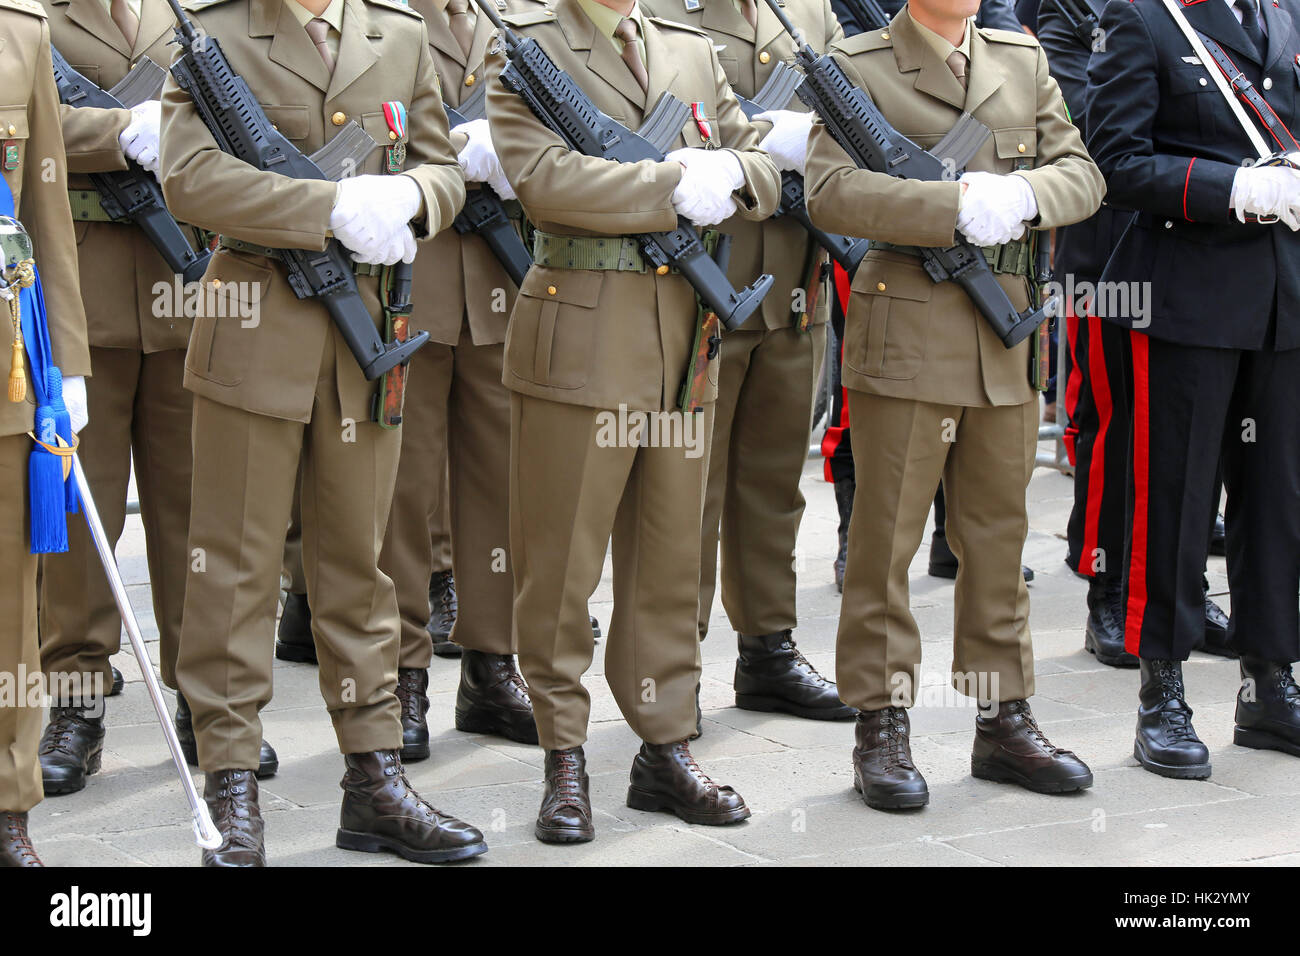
579 287
894 276
1016 142
15 116
293 121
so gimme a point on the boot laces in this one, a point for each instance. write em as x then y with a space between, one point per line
447 603
693 768
409 694
1021 708
894 734
58 735
238 815
568 783
20 840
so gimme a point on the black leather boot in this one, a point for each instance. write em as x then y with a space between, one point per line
381 812
1104 635
1166 742
1216 631
665 777
1268 707
493 698
1219 537
15 845
268 760
442 613
118 682
565 814
883 771
1010 748
943 563
293 639
844 489
771 675
595 627
231 796
412 694
71 748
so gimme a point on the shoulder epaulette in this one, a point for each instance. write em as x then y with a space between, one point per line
678 25
395 5
1014 37
25 6
529 17
865 42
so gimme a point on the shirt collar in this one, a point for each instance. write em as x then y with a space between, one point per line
333 14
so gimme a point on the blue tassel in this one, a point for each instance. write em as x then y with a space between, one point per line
63 426
45 481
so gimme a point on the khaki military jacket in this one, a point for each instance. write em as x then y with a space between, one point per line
271 368
604 338
120 268
457 277
38 179
749 55
906 336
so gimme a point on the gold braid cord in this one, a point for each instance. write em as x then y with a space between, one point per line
24 275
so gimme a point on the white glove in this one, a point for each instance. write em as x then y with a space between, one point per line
371 212
74 397
787 141
139 141
1268 192
479 158
709 177
994 208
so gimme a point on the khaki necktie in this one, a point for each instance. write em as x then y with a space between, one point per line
125 19
957 63
319 32
750 9
626 31
462 27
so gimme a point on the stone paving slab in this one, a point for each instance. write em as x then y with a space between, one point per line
795 774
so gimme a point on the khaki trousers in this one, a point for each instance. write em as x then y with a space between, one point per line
21 710
760 445
245 468
570 490
139 411
455 424
985 456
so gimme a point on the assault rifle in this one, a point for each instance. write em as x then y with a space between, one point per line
484 212
133 193
568 112
775 95
873 143
241 128
868 14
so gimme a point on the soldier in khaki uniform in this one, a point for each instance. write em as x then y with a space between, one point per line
285 390
457 416
141 409
766 382
585 345
35 173
932 391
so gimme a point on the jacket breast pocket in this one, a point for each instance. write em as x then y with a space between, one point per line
15 117
552 330
226 309
1191 88
293 122
888 325
1016 146
377 127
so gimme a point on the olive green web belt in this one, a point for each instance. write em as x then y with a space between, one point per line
239 245
1012 258
605 253
86 208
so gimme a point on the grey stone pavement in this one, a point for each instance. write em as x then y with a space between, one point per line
795 774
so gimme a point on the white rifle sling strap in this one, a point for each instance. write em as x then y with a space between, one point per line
1220 81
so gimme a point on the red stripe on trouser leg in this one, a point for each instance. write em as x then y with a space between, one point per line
1072 384
1101 398
1137 565
834 434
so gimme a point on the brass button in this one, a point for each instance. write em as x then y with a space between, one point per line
13 130
1020 147
880 287
885 35
764 57
392 135
469 80
216 283
551 290
662 270
338 119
